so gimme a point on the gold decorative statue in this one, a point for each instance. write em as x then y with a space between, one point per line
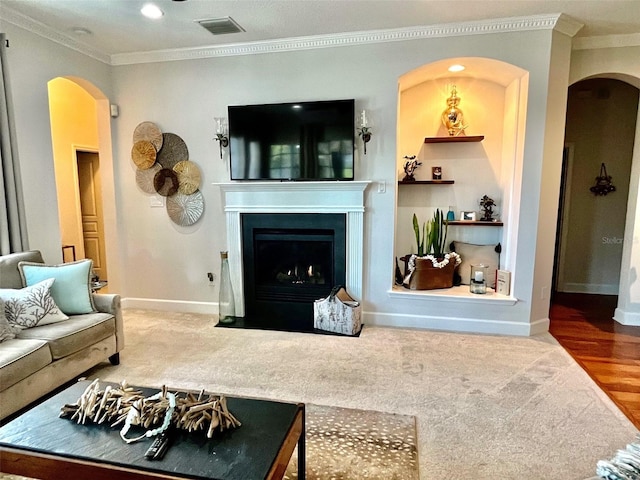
452 117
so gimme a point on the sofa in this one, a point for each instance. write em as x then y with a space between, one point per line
37 359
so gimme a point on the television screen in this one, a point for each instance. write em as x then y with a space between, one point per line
292 141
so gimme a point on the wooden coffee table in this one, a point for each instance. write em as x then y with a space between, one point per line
41 445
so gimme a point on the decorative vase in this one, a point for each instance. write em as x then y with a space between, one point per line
226 302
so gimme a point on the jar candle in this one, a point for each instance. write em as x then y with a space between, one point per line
477 279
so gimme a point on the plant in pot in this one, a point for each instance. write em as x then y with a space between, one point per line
431 268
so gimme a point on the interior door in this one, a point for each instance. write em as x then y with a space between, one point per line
91 208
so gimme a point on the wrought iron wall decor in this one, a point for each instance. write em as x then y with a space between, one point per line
603 184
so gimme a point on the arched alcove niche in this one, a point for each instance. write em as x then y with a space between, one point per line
493 100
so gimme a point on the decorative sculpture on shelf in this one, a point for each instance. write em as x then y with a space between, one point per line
452 117
603 184
410 167
487 204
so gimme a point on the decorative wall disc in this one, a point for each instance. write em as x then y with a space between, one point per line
188 176
143 154
173 150
165 182
150 132
185 210
144 178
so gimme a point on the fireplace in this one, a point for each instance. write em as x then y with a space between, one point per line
289 261
312 200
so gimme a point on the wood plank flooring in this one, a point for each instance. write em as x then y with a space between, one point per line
608 351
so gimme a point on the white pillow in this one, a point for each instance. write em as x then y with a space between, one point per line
471 254
31 306
7 332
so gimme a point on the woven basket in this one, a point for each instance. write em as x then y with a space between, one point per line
428 277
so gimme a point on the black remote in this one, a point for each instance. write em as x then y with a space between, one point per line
159 447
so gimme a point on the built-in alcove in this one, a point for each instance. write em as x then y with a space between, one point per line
493 99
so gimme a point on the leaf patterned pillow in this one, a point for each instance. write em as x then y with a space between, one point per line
31 306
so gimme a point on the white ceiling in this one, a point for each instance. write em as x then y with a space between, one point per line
117 27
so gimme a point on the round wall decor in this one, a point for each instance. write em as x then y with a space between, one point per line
185 210
150 132
173 150
165 182
143 154
144 178
188 176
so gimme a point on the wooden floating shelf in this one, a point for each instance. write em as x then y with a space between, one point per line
427 182
475 223
458 139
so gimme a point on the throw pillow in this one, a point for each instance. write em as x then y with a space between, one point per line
72 288
7 332
473 255
31 306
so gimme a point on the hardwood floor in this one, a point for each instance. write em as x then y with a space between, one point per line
608 351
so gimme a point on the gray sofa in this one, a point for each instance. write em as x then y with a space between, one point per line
42 358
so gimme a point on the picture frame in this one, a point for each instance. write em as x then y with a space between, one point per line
468 215
436 173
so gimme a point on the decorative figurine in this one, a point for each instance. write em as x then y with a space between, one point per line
487 204
410 167
436 173
452 117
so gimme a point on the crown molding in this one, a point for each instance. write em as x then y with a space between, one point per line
607 41
33 26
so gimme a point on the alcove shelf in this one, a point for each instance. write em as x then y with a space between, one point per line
475 223
458 139
427 182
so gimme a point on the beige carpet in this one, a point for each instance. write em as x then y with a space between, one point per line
487 407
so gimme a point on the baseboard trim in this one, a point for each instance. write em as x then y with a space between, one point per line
466 325
170 305
627 318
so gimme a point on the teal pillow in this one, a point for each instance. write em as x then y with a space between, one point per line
72 287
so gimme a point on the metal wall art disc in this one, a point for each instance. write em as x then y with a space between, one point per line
185 210
188 176
144 178
173 150
165 182
143 154
150 132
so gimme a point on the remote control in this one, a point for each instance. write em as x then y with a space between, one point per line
159 446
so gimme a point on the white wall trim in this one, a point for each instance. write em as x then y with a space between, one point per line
606 41
207 308
627 318
456 324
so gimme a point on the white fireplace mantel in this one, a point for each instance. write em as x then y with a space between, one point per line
295 197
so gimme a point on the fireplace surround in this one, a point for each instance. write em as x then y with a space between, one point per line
297 198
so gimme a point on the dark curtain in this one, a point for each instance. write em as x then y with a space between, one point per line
13 229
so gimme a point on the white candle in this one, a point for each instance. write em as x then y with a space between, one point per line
478 276
364 118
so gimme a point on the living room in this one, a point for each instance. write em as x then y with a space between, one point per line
155 264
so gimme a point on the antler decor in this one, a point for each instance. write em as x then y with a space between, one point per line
603 183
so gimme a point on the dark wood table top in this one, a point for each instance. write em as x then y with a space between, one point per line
245 453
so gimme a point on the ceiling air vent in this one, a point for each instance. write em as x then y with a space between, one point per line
221 26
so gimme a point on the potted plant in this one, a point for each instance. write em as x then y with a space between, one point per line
431 268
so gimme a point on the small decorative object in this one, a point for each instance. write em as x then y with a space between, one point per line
226 303
174 150
478 279
165 182
364 131
338 313
150 132
503 282
222 134
185 210
410 167
603 184
487 205
451 214
436 173
452 117
468 215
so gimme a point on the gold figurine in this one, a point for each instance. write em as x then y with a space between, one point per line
452 117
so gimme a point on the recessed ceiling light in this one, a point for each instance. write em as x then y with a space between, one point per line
150 10
456 68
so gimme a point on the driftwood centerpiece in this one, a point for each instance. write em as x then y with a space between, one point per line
123 405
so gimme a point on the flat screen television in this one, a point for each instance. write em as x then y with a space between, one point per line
292 141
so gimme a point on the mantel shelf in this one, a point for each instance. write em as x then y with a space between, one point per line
427 182
475 223
458 139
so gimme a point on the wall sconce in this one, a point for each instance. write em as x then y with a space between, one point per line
364 131
222 134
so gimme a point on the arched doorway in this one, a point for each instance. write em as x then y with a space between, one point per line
81 139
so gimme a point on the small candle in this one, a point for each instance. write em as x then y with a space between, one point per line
478 276
364 118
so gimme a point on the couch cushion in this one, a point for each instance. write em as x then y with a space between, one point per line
71 336
7 332
9 273
21 358
31 306
72 288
